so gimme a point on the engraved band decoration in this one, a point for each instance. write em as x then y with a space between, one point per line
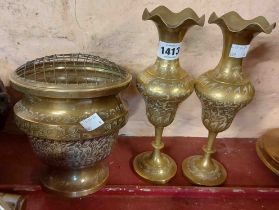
223 91
164 85
72 113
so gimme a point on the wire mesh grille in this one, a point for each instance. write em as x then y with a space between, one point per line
71 70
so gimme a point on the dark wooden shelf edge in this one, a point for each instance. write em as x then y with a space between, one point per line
181 191
190 191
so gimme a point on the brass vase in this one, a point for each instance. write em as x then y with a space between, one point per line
164 85
223 91
72 113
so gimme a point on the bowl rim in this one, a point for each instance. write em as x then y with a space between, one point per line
83 90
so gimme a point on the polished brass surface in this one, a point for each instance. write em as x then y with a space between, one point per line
4 205
268 149
59 92
13 201
164 85
223 91
76 183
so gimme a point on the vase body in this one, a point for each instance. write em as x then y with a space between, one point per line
223 91
4 105
58 119
164 85
163 90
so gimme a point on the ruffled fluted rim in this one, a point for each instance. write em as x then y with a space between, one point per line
235 23
172 19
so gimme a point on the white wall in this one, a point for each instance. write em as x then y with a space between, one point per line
114 29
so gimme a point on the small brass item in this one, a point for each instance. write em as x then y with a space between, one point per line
164 85
72 113
223 91
12 201
267 148
4 205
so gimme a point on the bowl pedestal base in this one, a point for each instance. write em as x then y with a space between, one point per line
75 182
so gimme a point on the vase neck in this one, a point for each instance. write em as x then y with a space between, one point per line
167 67
167 62
170 35
235 47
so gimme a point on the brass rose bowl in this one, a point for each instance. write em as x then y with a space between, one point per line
164 85
223 91
72 113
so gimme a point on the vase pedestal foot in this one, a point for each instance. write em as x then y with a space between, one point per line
75 182
157 170
194 170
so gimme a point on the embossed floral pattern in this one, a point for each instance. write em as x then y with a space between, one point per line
73 154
